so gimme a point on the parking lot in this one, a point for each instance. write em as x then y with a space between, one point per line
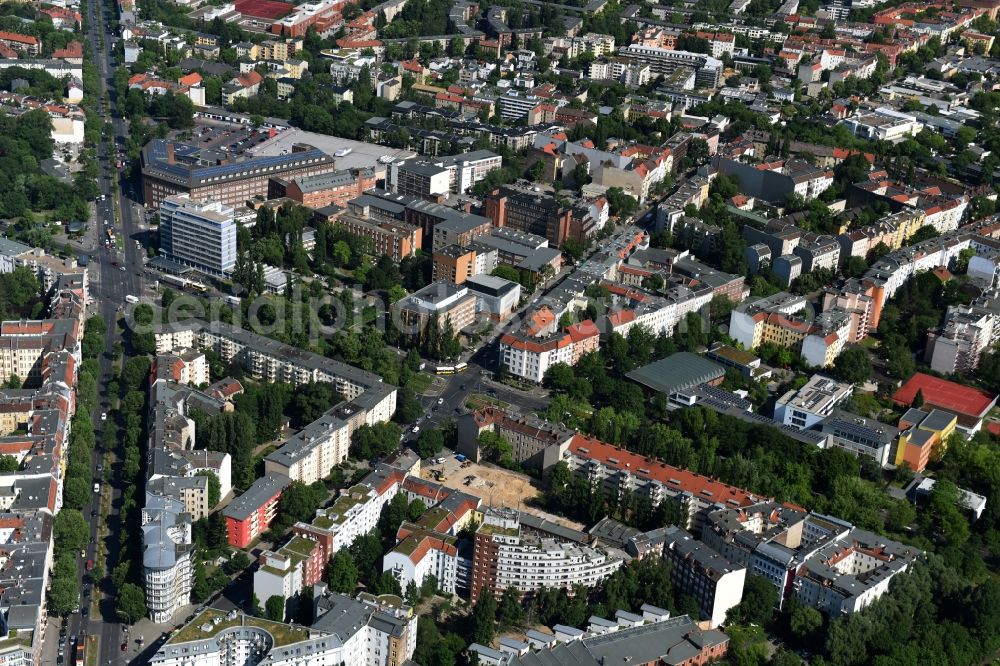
494 485
233 139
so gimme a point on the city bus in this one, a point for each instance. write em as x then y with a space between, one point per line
450 369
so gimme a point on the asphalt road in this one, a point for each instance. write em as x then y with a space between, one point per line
108 286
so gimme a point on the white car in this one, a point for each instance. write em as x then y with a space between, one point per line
416 429
123 269
440 401
104 416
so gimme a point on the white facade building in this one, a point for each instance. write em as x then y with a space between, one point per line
198 234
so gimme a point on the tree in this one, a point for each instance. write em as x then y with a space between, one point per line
131 605
8 464
76 493
853 365
274 608
429 443
299 502
237 563
495 447
342 573
509 611
805 621
507 273
484 618
71 531
620 204
214 489
757 607
64 594
375 441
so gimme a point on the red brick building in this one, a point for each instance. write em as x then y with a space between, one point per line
329 189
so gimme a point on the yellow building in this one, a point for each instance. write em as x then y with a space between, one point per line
923 433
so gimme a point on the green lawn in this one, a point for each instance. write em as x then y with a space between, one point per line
420 382
477 400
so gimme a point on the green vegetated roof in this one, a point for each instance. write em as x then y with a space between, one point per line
283 634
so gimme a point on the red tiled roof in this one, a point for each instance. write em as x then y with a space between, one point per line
621 318
19 38
583 330
73 50
677 478
944 394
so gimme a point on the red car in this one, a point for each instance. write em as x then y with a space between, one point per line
90 565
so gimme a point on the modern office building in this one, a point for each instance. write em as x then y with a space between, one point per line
198 234
450 303
812 403
528 211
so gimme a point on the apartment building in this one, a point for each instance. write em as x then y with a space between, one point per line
618 471
250 515
288 570
35 425
595 44
198 234
775 181
434 180
819 252
277 362
453 263
957 345
504 556
776 320
335 188
167 567
311 454
355 512
853 298
398 240
822 562
708 70
366 631
170 168
529 436
423 553
698 571
26 44
809 405
449 303
529 355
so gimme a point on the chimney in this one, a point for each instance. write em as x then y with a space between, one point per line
170 153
